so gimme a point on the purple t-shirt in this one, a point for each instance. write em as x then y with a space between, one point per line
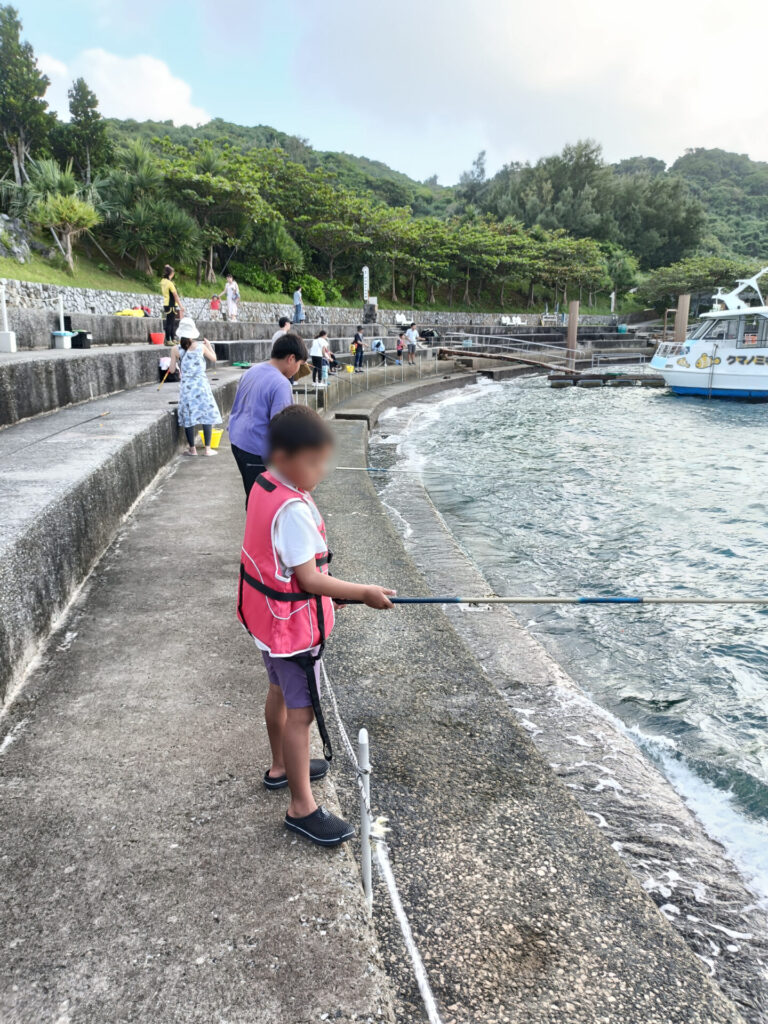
262 392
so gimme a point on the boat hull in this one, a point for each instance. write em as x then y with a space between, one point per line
722 372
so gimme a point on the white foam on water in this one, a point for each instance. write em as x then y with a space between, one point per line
745 839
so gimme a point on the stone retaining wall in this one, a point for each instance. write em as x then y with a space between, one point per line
33 295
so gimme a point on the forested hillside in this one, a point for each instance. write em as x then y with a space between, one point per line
131 196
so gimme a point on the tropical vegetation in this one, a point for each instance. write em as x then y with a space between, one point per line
130 196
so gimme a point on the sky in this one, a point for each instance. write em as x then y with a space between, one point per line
424 86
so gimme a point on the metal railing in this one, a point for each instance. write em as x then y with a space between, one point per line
343 385
500 343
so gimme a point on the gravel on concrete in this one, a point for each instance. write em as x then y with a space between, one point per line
145 875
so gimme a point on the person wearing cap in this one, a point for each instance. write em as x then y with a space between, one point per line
263 392
197 406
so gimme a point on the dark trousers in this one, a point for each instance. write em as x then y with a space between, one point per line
207 431
250 467
171 322
358 358
317 368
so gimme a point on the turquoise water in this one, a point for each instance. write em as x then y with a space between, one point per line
625 491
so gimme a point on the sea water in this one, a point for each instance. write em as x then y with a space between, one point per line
622 491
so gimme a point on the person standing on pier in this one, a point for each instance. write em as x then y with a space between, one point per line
283 327
172 307
412 337
232 294
298 306
285 602
263 392
358 347
316 354
197 406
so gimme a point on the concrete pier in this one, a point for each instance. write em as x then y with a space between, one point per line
146 875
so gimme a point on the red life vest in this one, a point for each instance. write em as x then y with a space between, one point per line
271 606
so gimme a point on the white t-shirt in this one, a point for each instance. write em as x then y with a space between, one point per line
412 335
296 534
318 347
232 291
278 334
297 298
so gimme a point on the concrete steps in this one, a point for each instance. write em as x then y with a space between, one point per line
66 481
40 381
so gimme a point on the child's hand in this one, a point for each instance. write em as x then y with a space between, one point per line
377 597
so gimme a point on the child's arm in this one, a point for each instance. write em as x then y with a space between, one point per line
208 352
314 582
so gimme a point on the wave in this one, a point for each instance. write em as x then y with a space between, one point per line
687 841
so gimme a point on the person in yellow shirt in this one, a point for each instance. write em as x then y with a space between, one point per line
172 307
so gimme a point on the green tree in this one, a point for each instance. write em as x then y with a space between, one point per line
336 225
86 133
698 275
68 216
24 118
142 222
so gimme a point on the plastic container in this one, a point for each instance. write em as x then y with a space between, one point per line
62 339
216 436
622 328
157 337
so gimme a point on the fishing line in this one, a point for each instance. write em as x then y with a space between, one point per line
71 426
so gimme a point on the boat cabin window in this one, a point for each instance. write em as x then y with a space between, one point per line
754 332
722 330
701 330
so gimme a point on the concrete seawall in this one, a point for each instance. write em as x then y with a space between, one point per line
37 382
67 482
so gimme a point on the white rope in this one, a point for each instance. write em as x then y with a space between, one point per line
378 831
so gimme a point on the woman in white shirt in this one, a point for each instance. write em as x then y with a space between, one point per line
316 353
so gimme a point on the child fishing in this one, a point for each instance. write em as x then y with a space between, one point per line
286 602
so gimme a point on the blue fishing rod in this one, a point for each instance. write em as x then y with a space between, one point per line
586 599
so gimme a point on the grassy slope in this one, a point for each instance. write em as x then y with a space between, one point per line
90 275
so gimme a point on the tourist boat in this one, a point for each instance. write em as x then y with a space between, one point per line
726 354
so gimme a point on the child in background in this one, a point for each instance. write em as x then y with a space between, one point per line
215 307
286 602
400 347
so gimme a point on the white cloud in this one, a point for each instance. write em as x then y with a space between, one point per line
140 87
524 78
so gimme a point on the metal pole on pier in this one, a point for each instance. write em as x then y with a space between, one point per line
363 757
573 333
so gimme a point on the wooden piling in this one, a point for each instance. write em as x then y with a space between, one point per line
681 317
573 332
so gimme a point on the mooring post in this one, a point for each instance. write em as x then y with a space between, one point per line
7 338
363 756
573 333
681 317
61 313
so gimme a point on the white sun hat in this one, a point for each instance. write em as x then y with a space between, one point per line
187 328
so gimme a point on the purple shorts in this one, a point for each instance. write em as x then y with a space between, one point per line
292 680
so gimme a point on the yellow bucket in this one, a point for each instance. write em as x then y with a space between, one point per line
348 368
216 436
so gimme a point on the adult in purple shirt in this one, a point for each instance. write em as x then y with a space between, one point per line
262 393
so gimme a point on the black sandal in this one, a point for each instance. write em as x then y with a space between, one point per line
321 827
318 769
